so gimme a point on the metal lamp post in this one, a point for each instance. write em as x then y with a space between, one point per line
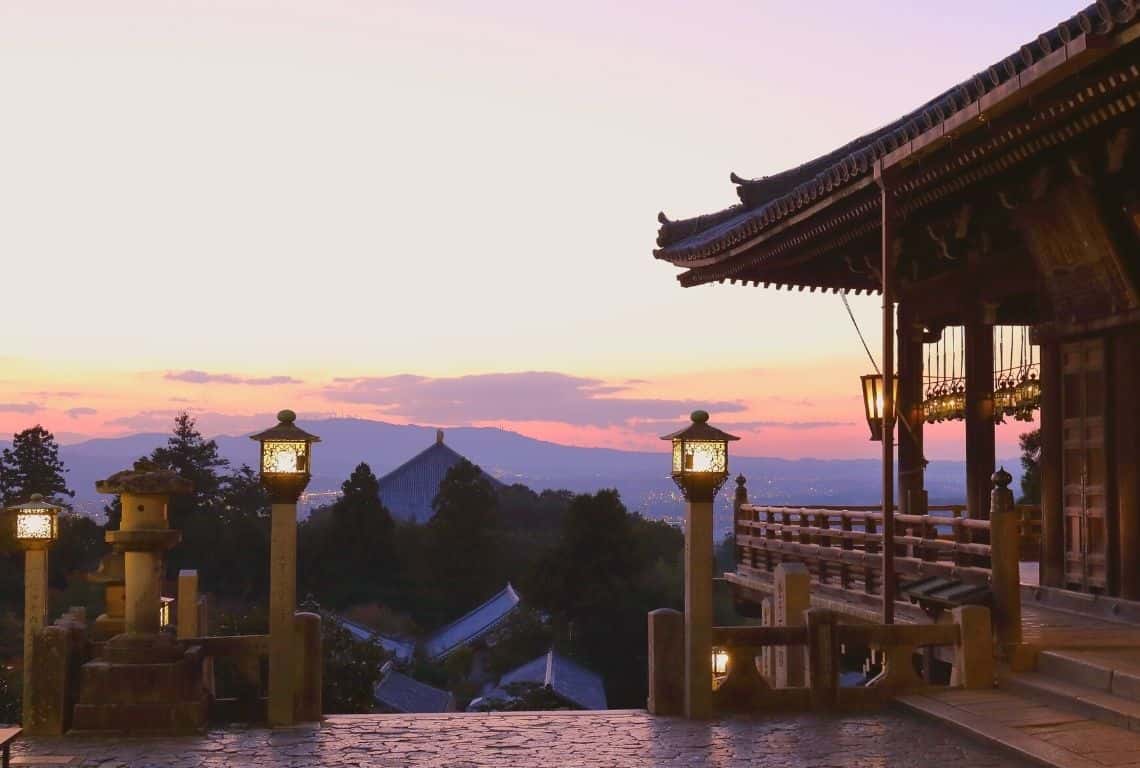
37 528
700 467
285 472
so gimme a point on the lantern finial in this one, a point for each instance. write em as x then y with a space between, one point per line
286 416
699 417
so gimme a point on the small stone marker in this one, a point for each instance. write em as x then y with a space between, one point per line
793 597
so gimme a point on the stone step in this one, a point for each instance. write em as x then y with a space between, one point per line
1114 671
1088 702
1030 737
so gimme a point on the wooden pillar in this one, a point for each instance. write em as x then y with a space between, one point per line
1052 501
888 586
979 351
35 614
282 605
1124 399
912 497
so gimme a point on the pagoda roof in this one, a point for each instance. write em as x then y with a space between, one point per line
409 489
472 626
814 207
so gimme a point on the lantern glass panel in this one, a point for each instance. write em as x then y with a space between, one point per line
284 457
700 456
719 662
35 525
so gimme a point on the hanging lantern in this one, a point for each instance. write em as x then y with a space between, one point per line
719 662
1027 397
874 403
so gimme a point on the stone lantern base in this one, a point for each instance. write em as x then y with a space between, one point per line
142 685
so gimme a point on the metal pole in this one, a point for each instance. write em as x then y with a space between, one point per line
888 404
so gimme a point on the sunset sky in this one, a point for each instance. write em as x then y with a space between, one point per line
438 212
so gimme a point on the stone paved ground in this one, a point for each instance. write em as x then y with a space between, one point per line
629 739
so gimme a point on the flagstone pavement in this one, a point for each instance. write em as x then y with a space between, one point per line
610 739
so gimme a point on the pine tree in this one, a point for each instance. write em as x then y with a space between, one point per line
194 458
32 465
198 515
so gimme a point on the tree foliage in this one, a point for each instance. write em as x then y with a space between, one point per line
32 465
356 533
1030 443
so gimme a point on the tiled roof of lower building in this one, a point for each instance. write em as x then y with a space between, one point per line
400 693
568 680
472 626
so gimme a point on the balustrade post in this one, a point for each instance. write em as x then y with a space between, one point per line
823 659
666 662
847 545
1005 549
738 514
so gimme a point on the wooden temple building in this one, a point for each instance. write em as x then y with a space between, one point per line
1012 199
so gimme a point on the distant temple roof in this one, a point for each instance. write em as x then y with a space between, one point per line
397 692
466 629
569 681
408 490
401 650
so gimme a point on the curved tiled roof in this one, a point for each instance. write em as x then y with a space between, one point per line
769 200
400 693
569 681
408 490
466 629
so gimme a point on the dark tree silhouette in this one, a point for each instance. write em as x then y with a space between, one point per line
32 465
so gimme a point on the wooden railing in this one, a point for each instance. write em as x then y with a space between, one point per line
842 545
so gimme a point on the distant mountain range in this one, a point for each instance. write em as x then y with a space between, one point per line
641 477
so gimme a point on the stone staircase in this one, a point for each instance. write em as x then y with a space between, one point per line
1098 684
1078 709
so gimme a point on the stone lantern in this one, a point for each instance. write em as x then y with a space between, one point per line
143 680
144 535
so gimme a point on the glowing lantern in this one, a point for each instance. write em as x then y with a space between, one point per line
285 458
37 522
719 662
874 403
700 458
